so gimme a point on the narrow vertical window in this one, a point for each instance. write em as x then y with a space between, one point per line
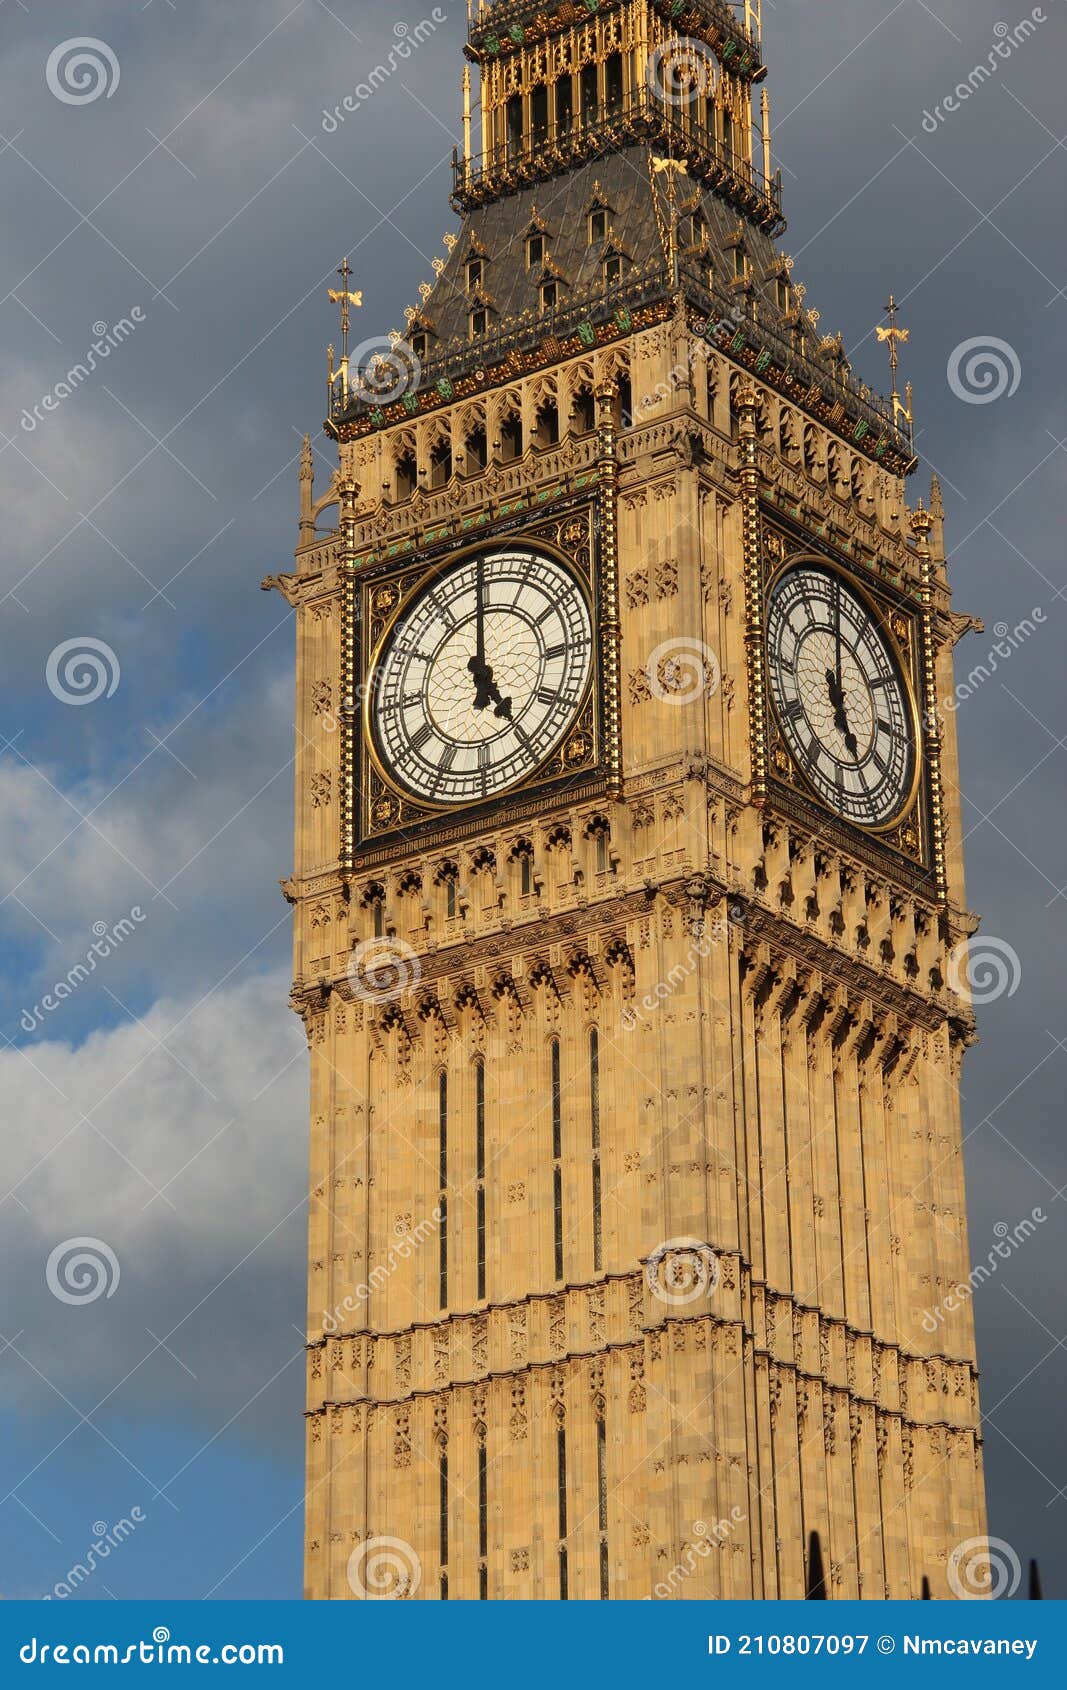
527 874
379 918
594 1137
557 1161
442 1494
479 1169
483 1524
561 1491
602 1504
442 1182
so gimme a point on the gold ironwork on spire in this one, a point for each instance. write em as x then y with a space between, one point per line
672 166
894 334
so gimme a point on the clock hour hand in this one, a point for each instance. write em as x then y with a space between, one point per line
486 691
837 699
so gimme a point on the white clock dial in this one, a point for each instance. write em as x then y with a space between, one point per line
842 704
481 675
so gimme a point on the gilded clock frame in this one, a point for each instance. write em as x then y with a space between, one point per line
451 561
908 681
578 756
909 845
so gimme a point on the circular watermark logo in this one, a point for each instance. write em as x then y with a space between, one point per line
982 369
682 1270
78 71
987 969
81 670
383 969
384 1569
983 1567
681 69
682 670
384 370
81 1270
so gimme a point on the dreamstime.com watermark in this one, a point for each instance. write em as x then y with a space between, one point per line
81 670
983 969
682 1270
384 1569
407 39
384 968
1007 642
105 1539
155 1651
707 1540
1008 38
700 949
1009 1239
983 369
82 1270
700 352
984 1568
106 942
107 338
407 1243
82 69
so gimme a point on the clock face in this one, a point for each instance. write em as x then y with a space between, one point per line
480 675
841 701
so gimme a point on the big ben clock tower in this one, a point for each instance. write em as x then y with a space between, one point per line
628 899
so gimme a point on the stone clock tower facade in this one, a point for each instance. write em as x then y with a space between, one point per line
628 899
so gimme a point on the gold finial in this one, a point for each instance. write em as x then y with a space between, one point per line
344 297
921 522
893 334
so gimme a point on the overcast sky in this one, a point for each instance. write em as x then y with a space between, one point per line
160 1107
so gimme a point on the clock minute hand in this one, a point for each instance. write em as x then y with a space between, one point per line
477 665
479 615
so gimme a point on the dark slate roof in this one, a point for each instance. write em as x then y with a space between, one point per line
638 220
620 180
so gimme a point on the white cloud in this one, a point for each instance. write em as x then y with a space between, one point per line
191 1169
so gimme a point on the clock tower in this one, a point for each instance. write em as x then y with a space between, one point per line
629 911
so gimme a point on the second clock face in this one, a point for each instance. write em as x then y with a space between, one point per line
480 676
842 704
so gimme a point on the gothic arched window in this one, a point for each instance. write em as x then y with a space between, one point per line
479 1170
557 1161
442 1182
594 1140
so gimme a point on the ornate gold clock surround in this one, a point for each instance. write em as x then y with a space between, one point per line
382 810
909 834
897 628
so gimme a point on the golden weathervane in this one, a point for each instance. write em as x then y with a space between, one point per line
344 297
893 334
